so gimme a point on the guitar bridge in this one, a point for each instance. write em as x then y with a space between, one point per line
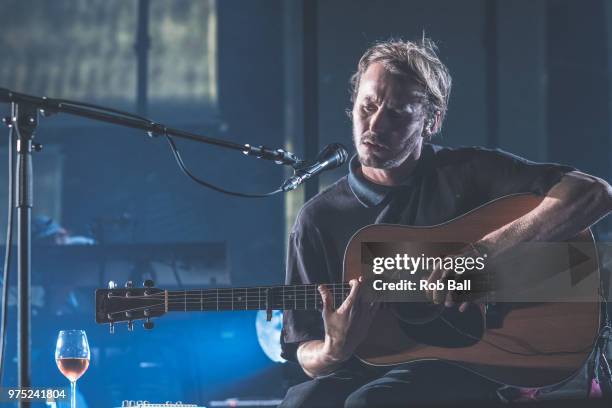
269 299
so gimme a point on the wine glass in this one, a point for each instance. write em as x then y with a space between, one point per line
72 357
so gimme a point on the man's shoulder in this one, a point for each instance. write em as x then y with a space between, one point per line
323 206
467 152
465 155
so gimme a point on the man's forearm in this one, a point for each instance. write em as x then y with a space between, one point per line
315 358
573 204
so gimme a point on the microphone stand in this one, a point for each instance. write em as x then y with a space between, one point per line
24 119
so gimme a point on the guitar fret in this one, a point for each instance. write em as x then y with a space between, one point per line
334 295
307 289
314 295
306 300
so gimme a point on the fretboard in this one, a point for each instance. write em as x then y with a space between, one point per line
291 297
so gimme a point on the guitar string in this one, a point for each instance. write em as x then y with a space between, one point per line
208 294
162 307
228 296
254 298
238 298
338 298
220 296
158 308
276 306
244 300
226 292
278 302
283 301
194 292
300 293
261 300
294 298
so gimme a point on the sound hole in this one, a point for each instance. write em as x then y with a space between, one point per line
439 326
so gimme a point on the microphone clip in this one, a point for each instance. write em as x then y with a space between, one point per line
301 174
279 156
332 156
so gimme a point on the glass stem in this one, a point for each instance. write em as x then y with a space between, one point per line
72 394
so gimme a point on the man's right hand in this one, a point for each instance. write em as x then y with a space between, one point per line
345 328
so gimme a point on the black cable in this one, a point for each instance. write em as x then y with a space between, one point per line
7 254
175 151
182 166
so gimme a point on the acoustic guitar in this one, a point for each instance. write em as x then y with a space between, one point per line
535 326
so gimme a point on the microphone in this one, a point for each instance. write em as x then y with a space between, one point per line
332 156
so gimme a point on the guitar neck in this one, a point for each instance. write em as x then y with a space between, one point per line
289 297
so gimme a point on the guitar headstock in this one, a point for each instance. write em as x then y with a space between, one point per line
115 305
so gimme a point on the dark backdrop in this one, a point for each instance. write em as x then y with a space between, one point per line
531 77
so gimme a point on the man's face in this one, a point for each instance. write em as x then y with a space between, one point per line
388 118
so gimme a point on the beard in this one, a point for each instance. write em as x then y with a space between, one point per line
376 162
390 156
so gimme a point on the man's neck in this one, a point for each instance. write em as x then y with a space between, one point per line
394 176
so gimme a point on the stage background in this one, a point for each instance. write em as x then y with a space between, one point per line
530 77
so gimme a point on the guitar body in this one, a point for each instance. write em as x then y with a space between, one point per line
536 344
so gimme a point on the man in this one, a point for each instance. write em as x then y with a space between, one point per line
400 96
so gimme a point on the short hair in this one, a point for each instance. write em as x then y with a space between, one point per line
416 59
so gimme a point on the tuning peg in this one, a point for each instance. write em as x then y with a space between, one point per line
130 325
129 284
148 283
111 328
112 285
148 324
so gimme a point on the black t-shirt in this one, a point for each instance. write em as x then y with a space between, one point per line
445 184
